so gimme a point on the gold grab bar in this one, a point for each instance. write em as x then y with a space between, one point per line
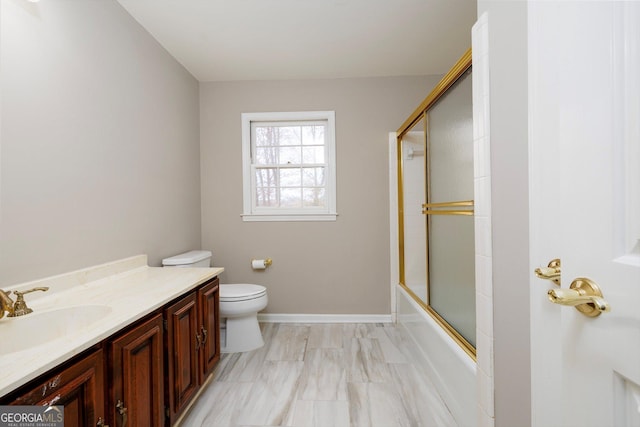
431 212
448 204
433 208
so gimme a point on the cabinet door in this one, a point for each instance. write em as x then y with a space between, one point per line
136 395
78 387
182 345
208 304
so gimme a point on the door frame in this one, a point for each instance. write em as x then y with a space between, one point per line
504 374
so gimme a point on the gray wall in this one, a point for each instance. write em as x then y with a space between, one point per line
99 141
339 267
510 210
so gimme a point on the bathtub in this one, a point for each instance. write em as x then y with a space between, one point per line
451 369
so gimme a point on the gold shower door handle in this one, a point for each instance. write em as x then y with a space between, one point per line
583 294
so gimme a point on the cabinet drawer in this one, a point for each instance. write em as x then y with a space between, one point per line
79 387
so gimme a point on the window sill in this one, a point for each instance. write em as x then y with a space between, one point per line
288 217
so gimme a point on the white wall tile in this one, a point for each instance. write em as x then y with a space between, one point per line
484 272
484 345
484 314
482 188
481 169
485 392
483 236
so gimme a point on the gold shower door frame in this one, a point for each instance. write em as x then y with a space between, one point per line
463 207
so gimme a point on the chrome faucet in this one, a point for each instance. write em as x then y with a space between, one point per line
19 308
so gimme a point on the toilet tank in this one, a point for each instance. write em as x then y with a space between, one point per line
189 259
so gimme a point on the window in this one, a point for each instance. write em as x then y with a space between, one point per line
289 166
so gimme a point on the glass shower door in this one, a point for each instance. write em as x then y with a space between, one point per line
414 226
449 209
436 205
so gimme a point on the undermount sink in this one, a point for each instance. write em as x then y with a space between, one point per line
38 328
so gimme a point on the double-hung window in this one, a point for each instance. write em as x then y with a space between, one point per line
289 166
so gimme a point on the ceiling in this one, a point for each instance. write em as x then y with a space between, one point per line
225 40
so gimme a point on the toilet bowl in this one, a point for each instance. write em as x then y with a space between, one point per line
239 306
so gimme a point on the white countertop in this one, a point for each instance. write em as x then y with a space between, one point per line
128 288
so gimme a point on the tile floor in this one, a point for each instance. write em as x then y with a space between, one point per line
322 375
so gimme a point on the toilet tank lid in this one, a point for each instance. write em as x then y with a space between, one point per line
186 258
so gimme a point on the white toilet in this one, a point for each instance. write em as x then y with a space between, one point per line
239 306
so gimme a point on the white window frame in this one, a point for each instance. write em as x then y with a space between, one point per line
253 213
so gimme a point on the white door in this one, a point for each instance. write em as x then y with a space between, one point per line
584 99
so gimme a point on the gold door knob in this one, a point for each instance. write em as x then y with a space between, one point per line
584 295
551 272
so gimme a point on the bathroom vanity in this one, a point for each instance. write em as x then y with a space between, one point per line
114 344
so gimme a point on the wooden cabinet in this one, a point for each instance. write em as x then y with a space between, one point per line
79 387
182 356
159 362
209 307
136 376
192 344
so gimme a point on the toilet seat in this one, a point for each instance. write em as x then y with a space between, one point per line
241 292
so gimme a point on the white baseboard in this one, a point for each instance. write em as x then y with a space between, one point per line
324 318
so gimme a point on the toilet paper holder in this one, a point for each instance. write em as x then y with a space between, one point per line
261 264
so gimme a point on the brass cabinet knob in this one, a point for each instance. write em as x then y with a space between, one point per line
204 335
122 410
